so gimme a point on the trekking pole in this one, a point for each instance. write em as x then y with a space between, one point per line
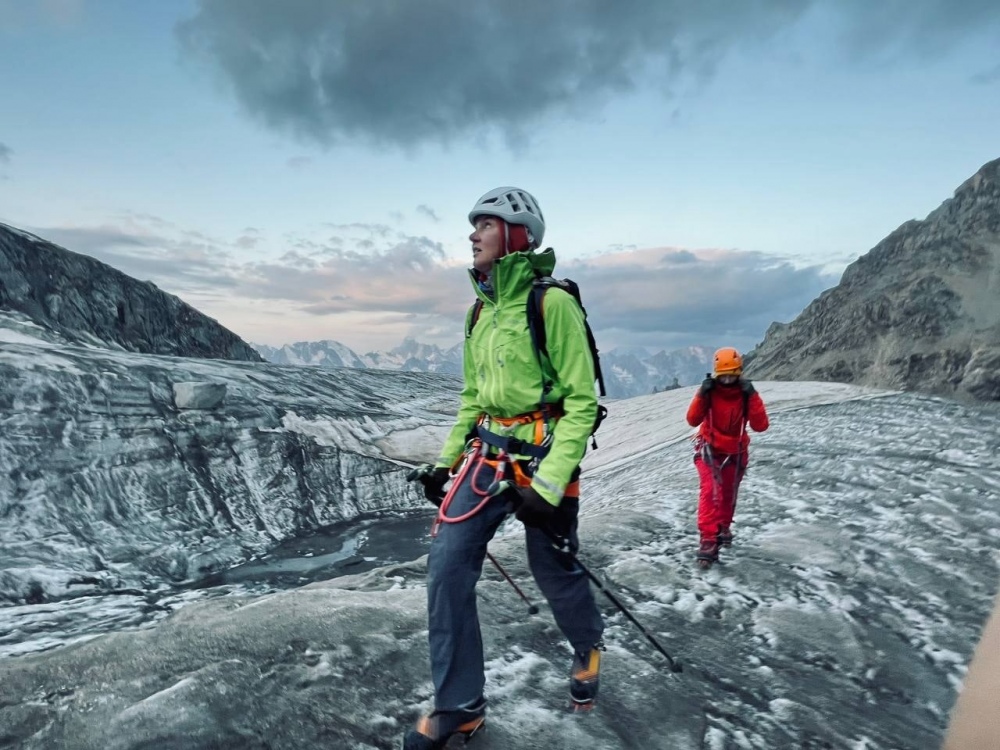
532 609
503 487
563 546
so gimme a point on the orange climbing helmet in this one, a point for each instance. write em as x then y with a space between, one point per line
728 362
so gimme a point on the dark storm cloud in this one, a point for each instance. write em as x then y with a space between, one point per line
404 72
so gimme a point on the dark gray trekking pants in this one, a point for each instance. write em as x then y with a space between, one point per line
454 567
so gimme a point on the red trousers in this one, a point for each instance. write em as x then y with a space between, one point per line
720 483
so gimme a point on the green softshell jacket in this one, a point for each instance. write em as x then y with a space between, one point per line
503 377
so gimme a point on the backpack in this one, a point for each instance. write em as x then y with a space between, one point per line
746 410
536 327
746 401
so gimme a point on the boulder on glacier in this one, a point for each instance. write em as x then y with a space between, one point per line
199 395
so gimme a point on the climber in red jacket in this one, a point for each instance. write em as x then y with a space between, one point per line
724 405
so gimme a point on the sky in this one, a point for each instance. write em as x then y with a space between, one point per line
303 170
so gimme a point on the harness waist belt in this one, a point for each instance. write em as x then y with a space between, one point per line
511 444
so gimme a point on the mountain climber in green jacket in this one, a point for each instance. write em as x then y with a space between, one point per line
523 422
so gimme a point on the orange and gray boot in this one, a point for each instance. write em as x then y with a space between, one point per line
585 677
445 729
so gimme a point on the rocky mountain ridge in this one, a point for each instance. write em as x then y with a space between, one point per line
86 301
920 311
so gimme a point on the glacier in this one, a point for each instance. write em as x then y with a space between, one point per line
865 563
107 485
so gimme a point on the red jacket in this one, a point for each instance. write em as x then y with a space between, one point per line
722 418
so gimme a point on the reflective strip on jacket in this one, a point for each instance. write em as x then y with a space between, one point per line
503 377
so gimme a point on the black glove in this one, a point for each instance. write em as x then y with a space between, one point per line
706 385
533 509
747 387
433 479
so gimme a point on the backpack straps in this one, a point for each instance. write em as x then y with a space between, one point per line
536 322
477 307
536 328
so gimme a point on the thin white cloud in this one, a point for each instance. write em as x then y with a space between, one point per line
428 212
987 76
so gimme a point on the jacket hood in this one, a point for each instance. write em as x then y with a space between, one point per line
513 274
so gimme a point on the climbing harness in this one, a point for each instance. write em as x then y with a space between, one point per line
477 456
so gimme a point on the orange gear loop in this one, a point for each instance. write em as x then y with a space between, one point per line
539 417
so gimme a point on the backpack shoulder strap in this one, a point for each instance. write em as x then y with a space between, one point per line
599 376
473 316
536 321
536 318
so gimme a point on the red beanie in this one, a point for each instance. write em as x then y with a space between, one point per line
513 238
517 238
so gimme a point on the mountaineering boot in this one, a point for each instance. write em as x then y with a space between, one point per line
585 677
724 537
445 729
708 553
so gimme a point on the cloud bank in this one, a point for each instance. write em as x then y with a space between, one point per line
373 275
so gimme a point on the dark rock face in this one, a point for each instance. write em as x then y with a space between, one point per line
89 302
920 311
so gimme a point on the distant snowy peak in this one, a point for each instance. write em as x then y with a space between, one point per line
326 353
413 356
628 371
410 356
632 371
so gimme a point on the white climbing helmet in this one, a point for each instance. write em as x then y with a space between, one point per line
515 206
